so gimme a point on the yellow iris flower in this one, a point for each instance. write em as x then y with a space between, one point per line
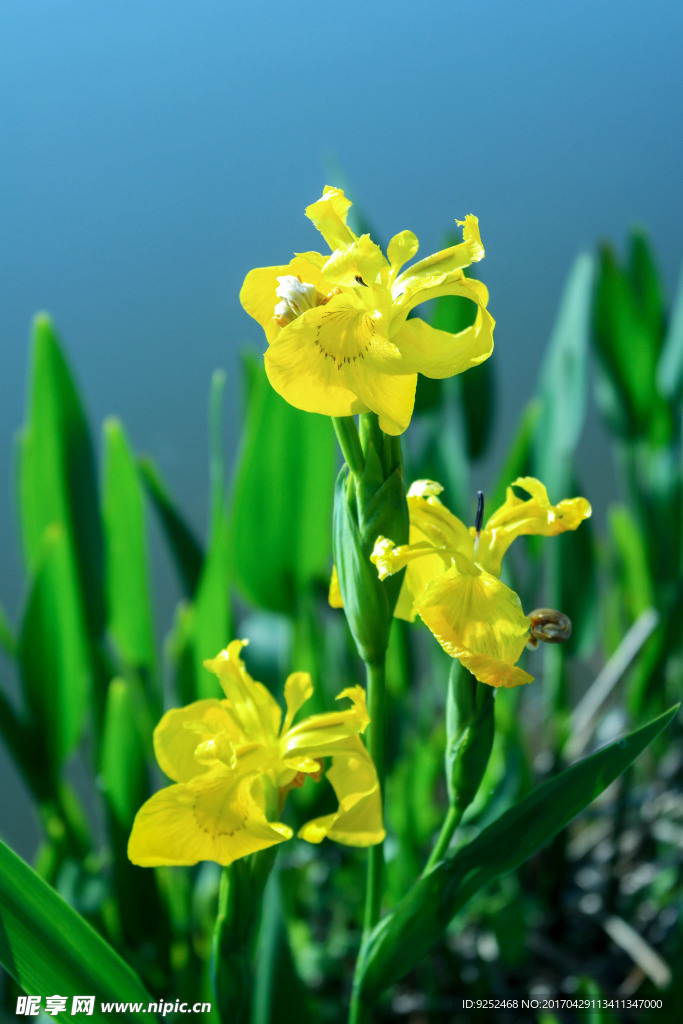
233 762
339 339
451 578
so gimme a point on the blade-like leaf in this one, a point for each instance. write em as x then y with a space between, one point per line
123 767
403 937
211 621
57 479
7 638
128 592
562 385
185 548
628 343
53 652
670 368
282 500
49 949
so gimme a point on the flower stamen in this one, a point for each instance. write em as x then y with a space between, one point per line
297 296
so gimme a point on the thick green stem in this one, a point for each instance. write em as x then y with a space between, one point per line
235 932
347 434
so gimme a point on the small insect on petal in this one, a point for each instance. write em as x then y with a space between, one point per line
549 626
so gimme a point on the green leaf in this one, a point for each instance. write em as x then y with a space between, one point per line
632 571
57 478
670 368
123 764
17 739
282 500
415 924
562 384
48 948
628 341
572 583
127 578
53 652
7 639
211 620
185 548
646 284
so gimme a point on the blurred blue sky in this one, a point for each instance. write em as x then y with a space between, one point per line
154 151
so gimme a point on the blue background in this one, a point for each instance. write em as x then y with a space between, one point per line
153 152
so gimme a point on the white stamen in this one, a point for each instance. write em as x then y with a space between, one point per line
297 296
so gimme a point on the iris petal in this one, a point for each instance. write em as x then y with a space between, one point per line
175 743
519 516
358 819
471 613
211 818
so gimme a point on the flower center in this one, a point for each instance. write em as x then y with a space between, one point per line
296 297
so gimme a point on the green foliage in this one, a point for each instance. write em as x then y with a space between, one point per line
408 931
54 652
184 547
127 584
57 480
629 336
88 667
282 500
48 948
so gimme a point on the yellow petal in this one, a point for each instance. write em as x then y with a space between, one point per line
520 516
329 216
471 613
259 291
439 270
432 522
332 361
435 535
252 706
358 819
175 744
401 248
216 817
439 354
320 735
334 596
358 265
493 671
298 689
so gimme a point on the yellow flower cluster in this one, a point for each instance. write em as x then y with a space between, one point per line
452 574
234 760
339 339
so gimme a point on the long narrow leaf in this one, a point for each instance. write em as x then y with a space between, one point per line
403 937
50 950
128 591
282 502
563 384
184 546
53 653
57 478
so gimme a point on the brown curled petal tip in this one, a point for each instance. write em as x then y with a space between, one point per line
549 626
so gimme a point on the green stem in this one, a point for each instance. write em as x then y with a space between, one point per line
451 822
375 677
347 434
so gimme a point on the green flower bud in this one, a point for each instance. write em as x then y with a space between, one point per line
373 505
